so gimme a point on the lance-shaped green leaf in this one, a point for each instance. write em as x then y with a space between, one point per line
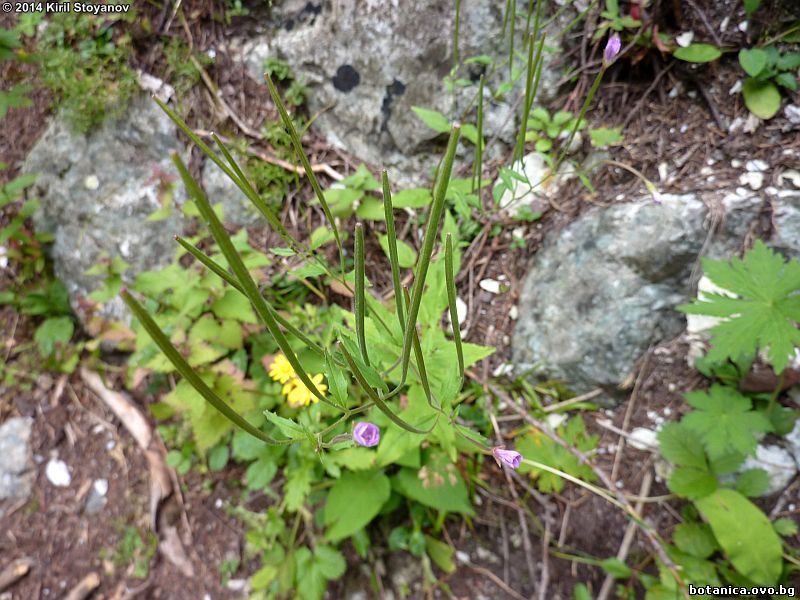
391 236
312 178
359 295
451 300
431 234
376 398
243 276
161 340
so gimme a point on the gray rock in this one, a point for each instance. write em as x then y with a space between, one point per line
606 287
779 464
17 472
96 192
237 209
367 62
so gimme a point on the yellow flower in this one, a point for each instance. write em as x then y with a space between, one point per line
297 394
280 370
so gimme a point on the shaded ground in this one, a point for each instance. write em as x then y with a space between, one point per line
674 114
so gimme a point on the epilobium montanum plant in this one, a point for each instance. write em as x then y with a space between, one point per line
399 358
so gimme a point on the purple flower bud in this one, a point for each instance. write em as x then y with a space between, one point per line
612 49
507 457
366 434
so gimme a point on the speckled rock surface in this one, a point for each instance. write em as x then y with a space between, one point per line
96 192
605 288
17 472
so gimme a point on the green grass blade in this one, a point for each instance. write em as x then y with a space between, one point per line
423 372
249 286
180 364
359 293
477 165
451 300
312 178
376 398
391 235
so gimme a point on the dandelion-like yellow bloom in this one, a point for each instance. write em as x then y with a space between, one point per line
280 370
297 394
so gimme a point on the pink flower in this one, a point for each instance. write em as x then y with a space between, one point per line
612 49
366 434
506 457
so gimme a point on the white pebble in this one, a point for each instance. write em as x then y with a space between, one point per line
513 313
791 175
490 285
100 486
111 444
642 438
756 165
743 26
620 484
684 128
684 39
462 557
736 163
91 182
620 197
735 88
667 409
663 171
218 503
792 113
753 179
58 473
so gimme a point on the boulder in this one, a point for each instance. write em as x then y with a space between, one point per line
17 472
367 62
96 192
605 288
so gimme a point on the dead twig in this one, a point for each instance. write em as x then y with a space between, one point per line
630 533
85 587
15 571
497 581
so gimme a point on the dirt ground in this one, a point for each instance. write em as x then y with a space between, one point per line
673 113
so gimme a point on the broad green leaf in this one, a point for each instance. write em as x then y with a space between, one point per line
234 305
789 61
787 80
785 527
695 539
329 561
752 482
353 501
765 313
470 133
745 534
406 255
371 209
437 484
761 98
698 53
433 119
412 198
681 446
298 485
725 421
52 333
691 482
218 457
440 553
753 61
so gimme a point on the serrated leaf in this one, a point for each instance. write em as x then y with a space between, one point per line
698 53
691 482
725 421
353 501
680 446
787 80
745 534
752 482
286 426
297 486
765 313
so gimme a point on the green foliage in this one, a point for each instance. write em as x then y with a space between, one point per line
353 501
545 130
535 445
767 68
183 66
724 421
85 66
295 91
15 95
745 535
764 313
697 53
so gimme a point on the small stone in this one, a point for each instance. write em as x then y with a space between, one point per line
684 128
100 486
218 503
743 26
735 88
490 285
486 555
555 420
16 470
736 163
667 409
663 171
110 444
513 313
792 175
792 112
502 369
642 438
684 39
756 165
236 585
57 473
462 557
97 500
753 179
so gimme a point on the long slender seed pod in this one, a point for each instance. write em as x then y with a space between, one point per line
312 177
243 276
391 236
451 300
477 165
423 372
162 341
360 307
